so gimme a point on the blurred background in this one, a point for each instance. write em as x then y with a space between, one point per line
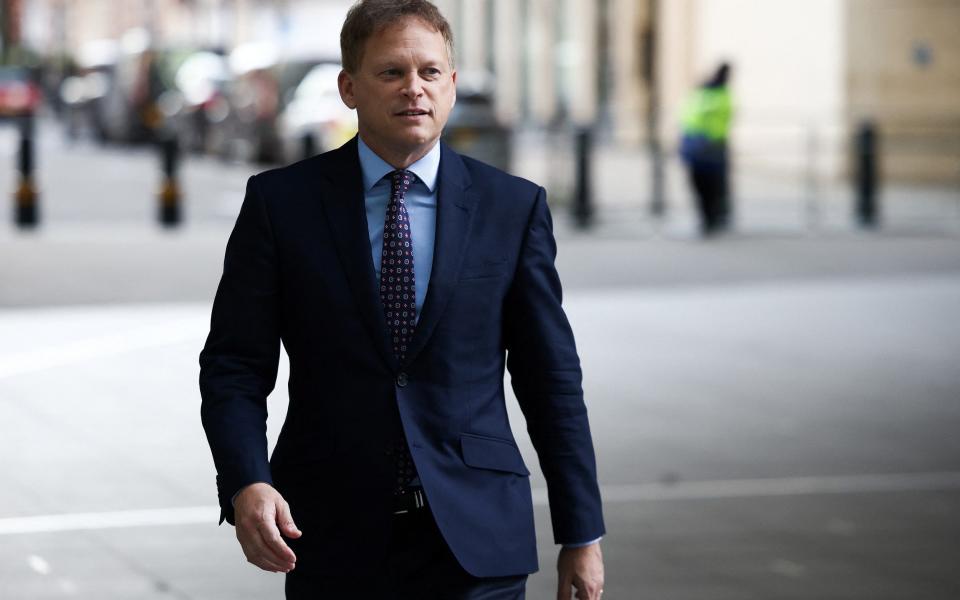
761 265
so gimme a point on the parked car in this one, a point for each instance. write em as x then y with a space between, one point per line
20 94
263 83
82 93
473 128
130 107
198 101
316 119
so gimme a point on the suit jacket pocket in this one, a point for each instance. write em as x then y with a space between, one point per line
497 454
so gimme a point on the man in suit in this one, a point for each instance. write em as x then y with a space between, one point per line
401 278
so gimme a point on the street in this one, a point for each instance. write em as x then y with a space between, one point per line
775 413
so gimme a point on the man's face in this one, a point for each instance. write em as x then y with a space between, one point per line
403 90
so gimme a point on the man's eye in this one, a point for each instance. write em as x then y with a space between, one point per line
431 72
391 73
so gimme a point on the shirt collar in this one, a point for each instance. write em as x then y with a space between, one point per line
375 168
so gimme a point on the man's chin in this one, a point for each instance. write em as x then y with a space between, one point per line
414 141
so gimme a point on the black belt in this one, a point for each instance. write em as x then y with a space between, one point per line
409 501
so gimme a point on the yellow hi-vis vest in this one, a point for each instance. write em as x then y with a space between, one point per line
707 112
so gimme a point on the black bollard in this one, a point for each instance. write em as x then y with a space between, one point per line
866 175
26 213
309 145
170 213
582 199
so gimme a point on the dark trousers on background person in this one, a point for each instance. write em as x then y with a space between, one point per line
420 566
709 182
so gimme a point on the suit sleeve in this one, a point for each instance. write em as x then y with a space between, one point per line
238 364
546 378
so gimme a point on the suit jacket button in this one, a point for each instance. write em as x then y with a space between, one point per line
402 379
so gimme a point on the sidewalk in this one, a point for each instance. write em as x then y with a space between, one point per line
84 183
765 203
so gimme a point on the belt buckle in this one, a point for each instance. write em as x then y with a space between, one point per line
419 501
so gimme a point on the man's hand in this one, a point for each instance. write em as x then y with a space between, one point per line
261 515
581 568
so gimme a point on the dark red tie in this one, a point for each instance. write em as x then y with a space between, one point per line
398 295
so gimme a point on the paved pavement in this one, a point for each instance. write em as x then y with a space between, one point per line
775 413
82 183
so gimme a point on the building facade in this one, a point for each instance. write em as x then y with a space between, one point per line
807 73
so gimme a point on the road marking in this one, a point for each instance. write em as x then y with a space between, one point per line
645 492
97 347
109 520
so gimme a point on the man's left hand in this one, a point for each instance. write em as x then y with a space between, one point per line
580 568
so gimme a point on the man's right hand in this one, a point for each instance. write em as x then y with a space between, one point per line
261 515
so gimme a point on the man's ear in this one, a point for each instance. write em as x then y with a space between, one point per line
453 102
345 85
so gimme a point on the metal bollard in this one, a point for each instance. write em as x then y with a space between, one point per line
866 175
582 199
26 212
308 144
170 213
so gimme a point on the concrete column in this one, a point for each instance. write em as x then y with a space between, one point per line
472 53
680 32
625 90
581 61
542 76
508 42
526 60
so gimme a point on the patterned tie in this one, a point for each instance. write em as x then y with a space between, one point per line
398 296
397 284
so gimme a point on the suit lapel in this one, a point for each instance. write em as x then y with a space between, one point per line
346 215
456 203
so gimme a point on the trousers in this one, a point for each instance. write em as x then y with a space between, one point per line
419 566
713 197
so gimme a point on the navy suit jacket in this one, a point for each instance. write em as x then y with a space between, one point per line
299 270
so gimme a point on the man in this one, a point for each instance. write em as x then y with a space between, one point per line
401 278
705 120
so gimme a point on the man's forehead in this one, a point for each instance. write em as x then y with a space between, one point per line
385 52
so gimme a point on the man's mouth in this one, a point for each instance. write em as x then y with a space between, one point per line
416 112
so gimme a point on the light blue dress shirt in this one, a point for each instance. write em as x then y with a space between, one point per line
421 202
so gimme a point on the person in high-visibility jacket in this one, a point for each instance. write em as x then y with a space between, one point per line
705 118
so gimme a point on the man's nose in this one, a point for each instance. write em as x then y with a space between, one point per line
412 85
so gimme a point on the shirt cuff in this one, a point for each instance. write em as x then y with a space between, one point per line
583 544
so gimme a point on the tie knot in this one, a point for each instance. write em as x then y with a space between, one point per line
401 180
